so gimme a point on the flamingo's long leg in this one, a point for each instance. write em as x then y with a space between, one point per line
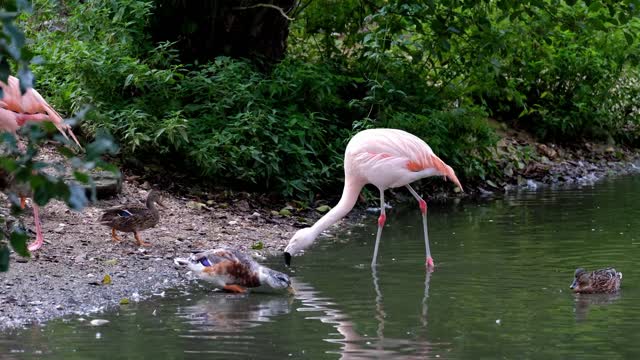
425 306
423 210
380 313
39 237
381 221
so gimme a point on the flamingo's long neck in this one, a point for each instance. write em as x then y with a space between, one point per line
349 197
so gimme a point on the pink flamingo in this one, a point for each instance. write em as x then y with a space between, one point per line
15 110
29 107
386 158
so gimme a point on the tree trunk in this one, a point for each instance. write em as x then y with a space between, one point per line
205 29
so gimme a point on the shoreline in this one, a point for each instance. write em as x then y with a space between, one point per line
65 276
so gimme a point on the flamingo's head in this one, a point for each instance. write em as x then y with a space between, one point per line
301 240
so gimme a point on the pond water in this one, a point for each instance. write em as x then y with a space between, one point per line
500 290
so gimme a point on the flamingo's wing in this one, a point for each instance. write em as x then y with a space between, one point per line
33 102
11 97
389 154
8 120
31 107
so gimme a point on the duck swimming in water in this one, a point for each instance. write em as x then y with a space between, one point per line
233 271
599 281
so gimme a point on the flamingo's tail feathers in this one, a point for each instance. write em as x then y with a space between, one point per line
54 117
445 170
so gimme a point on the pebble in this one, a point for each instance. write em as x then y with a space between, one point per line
98 322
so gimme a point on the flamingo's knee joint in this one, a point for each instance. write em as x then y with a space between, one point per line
423 206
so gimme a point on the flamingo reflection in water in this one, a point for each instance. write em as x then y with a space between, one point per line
215 316
354 345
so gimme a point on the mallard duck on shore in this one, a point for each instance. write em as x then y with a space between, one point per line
133 218
233 271
599 281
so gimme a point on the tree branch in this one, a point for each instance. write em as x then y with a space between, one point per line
265 5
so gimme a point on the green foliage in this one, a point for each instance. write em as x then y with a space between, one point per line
554 66
559 72
230 122
19 167
563 69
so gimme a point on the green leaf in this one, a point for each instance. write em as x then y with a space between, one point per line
4 258
82 177
26 79
257 246
106 280
128 80
4 70
445 44
19 243
628 37
285 212
77 197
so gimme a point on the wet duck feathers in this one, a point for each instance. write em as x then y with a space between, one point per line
599 281
234 271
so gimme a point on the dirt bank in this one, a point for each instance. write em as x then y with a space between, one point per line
65 275
524 163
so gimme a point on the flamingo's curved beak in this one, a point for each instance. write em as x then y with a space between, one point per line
287 259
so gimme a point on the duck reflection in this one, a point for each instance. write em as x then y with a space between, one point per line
234 313
583 302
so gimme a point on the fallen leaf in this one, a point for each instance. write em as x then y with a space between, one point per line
323 208
124 301
195 205
106 280
285 212
257 246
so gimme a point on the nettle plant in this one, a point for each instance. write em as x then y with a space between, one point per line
19 164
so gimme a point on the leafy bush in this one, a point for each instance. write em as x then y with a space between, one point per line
562 69
551 65
557 72
19 167
224 120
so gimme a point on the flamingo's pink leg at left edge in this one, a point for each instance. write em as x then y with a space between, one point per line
39 236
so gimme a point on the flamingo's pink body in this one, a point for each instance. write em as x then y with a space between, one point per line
15 110
386 158
28 107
